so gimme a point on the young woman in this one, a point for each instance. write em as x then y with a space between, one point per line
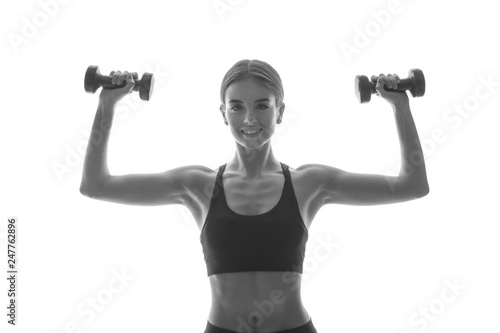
254 211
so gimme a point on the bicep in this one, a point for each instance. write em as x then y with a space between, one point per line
153 189
349 188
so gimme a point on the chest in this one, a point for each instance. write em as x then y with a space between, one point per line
253 197
257 197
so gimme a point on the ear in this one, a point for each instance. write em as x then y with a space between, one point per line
222 111
282 110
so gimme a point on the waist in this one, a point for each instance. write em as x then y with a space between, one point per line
269 301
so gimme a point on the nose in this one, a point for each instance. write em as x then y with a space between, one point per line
249 117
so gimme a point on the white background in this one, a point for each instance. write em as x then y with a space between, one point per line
392 261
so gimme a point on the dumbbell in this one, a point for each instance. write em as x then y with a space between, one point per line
415 83
94 80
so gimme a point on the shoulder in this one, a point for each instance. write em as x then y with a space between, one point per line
197 178
314 173
312 178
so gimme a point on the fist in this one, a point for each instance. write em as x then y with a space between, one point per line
112 96
390 82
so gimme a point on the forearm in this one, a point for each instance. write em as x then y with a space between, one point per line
95 166
412 158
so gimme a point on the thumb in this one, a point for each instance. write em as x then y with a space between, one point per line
130 83
379 87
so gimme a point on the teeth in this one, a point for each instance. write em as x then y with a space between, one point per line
251 132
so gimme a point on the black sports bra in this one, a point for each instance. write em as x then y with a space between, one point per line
272 241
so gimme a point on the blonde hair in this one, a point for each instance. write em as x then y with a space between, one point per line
258 70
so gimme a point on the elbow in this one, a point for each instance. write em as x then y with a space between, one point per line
416 188
413 190
422 192
84 190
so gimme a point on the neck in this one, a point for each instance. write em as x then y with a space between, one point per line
252 163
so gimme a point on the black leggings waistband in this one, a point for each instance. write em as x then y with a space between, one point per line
306 328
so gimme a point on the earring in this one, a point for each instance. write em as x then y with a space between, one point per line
279 120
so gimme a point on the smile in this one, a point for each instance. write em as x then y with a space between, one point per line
251 133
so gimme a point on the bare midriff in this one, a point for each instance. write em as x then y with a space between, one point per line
262 301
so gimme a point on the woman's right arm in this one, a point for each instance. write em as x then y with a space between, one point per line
164 188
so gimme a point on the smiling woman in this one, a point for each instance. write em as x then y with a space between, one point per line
255 224
252 104
254 239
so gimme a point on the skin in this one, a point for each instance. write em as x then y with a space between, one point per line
253 167
254 156
251 178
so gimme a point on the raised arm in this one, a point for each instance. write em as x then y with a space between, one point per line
343 187
170 187
95 167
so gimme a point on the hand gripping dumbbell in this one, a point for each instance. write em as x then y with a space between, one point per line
94 80
415 83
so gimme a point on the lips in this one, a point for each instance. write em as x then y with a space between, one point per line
251 131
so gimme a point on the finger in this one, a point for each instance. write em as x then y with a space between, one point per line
385 79
135 75
380 84
375 78
114 77
122 77
396 80
391 82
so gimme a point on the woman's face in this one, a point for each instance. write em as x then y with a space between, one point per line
250 107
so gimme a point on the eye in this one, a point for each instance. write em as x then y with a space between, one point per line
261 106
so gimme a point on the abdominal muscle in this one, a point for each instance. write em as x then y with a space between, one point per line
257 302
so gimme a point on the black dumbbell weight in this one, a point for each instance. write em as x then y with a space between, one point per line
415 82
94 80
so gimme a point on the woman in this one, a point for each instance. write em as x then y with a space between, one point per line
254 212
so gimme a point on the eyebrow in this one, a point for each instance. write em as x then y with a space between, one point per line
257 101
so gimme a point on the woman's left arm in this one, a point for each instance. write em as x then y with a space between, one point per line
330 185
412 170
